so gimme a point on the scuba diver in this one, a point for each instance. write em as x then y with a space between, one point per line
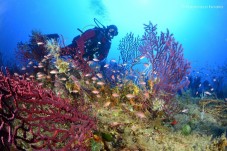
94 43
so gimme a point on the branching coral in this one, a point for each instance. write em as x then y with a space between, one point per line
62 66
77 59
129 49
41 119
34 50
165 70
166 58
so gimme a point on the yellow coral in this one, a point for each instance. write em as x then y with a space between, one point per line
72 87
135 89
53 47
158 104
62 66
69 86
150 84
130 87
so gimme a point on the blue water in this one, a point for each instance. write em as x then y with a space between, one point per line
199 25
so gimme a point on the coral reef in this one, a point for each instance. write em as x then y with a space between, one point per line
130 132
63 102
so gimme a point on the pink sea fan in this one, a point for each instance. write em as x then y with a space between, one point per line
166 60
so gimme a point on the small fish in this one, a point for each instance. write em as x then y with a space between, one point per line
135 60
95 59
208 93
44 60
40 84
88 75
146 95
99 75
23 106
98 96
76 82
40 43
95 92
75 91
90 62
23 68
174 122
87 82
49 55
146 65
94 78
53 72
107 104
63 79
31 76
113 124
141 115
40 66
106 65
100 83
118 77
141 57
48 77
112 77
16 74
113 60
30 63
130 96
120 85
184 111
115 95
142 83
40 75
134 128
46 57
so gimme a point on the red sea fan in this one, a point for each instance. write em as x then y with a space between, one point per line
34 50
34 117
166 60
168 68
